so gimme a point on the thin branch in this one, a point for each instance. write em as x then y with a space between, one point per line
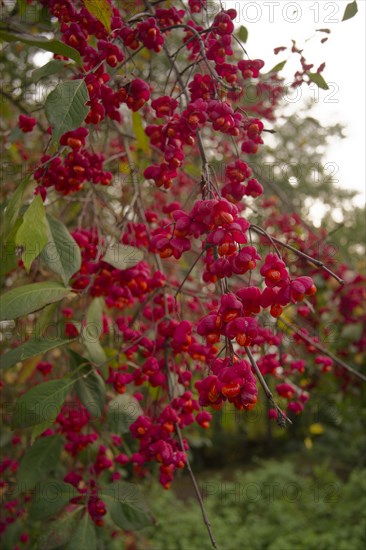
203 54
187 275
320 348
310 259
181 442
264 233
21 108
282 418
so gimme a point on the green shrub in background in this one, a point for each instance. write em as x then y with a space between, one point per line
273 507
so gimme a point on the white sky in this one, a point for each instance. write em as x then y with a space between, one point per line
273 23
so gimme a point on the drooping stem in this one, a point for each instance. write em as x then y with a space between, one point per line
323 350
310 259
181 443
282 417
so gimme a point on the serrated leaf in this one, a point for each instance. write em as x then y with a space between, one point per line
62 254
101 10
38 461
278 67
12 210
243 34
34 346
90 388
28 298
54 46
125 506
49 498
52 67
60 531
318 80
138 130
65 107
32 234
122 256
42 403
350 11
123 410
84 536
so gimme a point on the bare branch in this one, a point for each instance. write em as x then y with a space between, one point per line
310 259
282 417
336 359
181 442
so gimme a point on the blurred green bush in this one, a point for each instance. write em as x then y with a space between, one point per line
273 507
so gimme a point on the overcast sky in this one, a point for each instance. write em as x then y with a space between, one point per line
274 23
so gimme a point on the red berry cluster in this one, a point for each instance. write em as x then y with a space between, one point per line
156 435
79 166
230 381
168 349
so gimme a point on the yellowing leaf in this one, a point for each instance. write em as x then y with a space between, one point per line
316 428
28 369
308 443
101 11
138 129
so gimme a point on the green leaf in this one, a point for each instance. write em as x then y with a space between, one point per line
91 391
318 80
350 11
8 251
122 256
45 321
38 429
65 107
10 537
60 531
28 298
243 34
42 403
49 497
278 67
90 388
125 506
62 254
123 410
52 67
352 331
138 129
34 346
12 209
54 46
32 234
40 459
84 537
92 331
101 10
